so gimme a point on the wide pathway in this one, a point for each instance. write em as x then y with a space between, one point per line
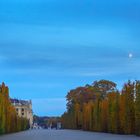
64 135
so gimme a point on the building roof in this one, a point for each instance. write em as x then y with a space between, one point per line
22 102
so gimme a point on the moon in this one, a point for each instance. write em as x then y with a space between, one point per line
130 55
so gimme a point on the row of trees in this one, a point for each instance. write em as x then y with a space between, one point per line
9 121
47 122
101 107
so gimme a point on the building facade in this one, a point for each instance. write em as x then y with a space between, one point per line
24 109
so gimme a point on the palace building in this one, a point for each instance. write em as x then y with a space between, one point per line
24 109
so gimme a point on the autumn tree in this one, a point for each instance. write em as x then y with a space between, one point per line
137 109
129 110
101 107
113 112
9 121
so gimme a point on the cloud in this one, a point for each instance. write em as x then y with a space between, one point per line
48 47
57 50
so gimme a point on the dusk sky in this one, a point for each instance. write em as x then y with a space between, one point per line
48 47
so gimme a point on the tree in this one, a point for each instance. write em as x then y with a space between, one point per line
104 115
137 109
103 108
113 112
78 116
9 121
129 111
104 87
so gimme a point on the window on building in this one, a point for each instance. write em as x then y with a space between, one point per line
22 114
17 109
22 109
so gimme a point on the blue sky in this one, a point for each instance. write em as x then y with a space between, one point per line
48 47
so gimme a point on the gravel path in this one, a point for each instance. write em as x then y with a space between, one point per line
65 135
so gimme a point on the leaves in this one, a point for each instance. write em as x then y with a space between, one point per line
101 107
9 121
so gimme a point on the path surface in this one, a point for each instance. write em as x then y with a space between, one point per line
64 135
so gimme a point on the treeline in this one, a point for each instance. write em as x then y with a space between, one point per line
9 121
101 107
47 122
